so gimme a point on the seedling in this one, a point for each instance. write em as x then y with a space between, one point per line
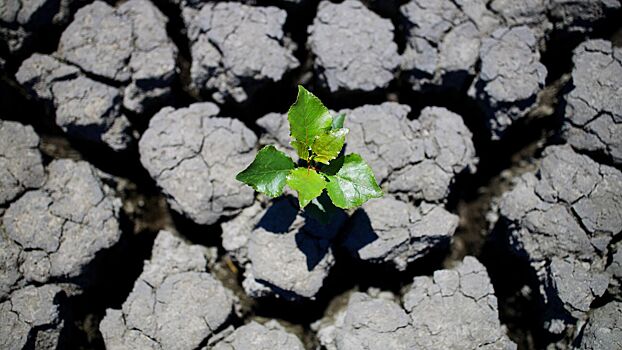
318 139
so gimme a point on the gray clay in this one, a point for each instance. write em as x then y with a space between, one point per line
193 155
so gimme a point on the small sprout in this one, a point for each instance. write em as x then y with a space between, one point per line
318 139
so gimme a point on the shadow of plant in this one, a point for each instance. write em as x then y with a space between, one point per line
279 217
361 233
313 248
313 238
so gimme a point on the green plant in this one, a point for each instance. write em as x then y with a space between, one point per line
318 139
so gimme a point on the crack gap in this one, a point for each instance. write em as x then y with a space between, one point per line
182 95
390 9
110 282
557 57
277 96
520 304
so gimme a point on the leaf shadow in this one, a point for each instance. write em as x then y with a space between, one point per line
312 237
316 236
314 249
279 217
361 233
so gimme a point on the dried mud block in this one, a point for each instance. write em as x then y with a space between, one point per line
85 108
510 78
604 328
443 40
456 309
353 47
127 45
369 323
31 317
388 230
193 155
284 253
593 117
54 233
236 48
561 220
175 303
270 336
20 161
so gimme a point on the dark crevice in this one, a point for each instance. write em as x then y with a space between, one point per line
352 99
94 76
113 281
271 96
390 9
206 235
44 39
176 29
18 106
520 305
557 56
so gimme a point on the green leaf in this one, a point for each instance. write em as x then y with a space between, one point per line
353 182
301 149
328 145
338 121
308 118
307 182
268 172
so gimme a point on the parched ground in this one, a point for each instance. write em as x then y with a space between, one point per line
494 128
